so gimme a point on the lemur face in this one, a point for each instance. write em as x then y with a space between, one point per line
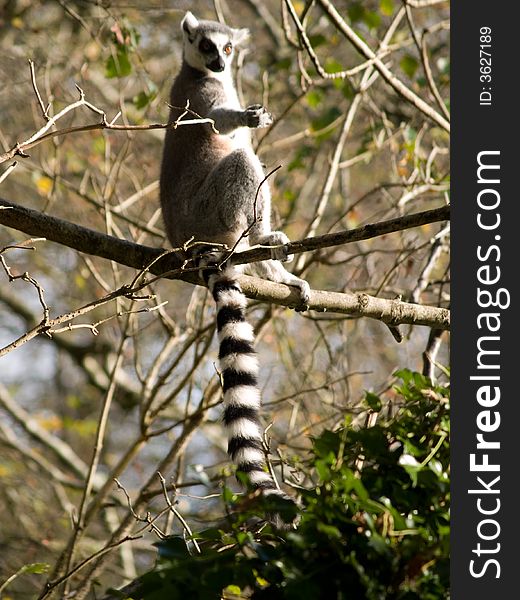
209 46
216 51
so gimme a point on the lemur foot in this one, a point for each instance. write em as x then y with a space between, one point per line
277 239
257 117
281 255
305 294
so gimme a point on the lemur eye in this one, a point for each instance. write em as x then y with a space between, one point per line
227 49
205 46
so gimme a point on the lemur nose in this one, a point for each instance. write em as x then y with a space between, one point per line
217 65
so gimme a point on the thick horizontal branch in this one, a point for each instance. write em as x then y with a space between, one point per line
88 241
139 257
340 238
391 312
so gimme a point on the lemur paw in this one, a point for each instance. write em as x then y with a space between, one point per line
305 295
281 255
277 239
257 117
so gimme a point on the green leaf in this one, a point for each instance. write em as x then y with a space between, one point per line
420 380
373 401
37 568
173 547
405 374
355 11
325 119
243 537
328 442
314 98
228 495
283 64
289 196
317 40
387 7
118 65
347 90
409 65
212 534
378 543
298 161
323 469
329 530
436 467
371 19
333 66
144 98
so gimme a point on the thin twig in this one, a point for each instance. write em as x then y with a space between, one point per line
80 521
177 513
8 171
20 148
45 110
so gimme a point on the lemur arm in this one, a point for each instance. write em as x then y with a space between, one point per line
228 119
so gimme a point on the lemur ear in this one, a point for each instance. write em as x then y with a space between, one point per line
240 36
189 23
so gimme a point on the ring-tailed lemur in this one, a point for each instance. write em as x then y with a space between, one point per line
208 187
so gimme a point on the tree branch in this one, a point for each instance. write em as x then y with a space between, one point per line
19 149
171 266
384 71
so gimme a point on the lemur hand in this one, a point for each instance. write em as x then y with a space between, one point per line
257 117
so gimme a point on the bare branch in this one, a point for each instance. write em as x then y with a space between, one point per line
139 256
45 110
392 312
383 70
8 171
424 3
20 148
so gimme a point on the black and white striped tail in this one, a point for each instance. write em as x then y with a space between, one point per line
239 369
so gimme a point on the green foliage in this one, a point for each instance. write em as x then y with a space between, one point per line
125 40
374 527
314 97
36 568
28 569
298 162
144 98
387 7
358 12
409 65
323 125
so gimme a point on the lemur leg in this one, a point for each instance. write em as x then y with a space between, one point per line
243 201
261 233
273 270
260 217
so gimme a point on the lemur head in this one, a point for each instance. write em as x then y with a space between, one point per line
208 45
